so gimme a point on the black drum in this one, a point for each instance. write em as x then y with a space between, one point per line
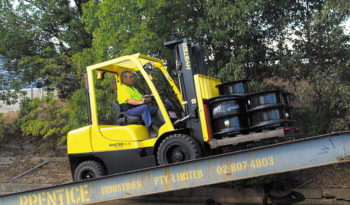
269 109
230 125
267 99
286 98
228 114
240 87
271 117
227 105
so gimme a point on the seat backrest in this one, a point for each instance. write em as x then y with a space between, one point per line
116 107
123 118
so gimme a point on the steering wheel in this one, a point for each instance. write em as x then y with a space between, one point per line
166 98
150 100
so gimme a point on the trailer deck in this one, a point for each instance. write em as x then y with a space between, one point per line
273 159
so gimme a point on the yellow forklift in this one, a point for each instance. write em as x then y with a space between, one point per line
185 131
96 150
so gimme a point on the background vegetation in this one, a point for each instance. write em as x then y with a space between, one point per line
299 45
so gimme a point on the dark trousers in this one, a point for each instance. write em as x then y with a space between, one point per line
145 112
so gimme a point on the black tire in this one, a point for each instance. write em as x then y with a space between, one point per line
178 148
88 169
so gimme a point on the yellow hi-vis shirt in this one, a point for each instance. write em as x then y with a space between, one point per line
125 92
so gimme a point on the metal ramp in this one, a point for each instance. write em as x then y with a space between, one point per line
285 157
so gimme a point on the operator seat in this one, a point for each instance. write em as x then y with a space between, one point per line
123 118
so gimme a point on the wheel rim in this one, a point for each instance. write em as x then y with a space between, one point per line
176 153
88 174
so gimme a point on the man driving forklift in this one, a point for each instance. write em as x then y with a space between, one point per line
132 102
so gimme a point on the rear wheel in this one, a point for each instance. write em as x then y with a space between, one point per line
88 170
178 148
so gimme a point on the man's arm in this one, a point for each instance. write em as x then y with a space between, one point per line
135 102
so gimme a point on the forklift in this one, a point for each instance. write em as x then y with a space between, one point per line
97 150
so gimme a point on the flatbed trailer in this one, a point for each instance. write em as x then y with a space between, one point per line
268 160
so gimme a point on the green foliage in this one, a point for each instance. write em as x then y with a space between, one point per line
326 103
104 97
4 128
78 115
11 96
125 27
39 38
320 42
233 70
9 131
231 34
55 70
46 118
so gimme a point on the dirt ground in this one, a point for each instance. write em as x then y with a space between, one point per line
333 176
16 162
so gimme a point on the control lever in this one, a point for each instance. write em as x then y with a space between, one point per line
181 120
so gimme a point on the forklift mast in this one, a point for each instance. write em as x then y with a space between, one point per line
189 61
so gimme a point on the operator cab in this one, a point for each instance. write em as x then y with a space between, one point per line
116 125
121 118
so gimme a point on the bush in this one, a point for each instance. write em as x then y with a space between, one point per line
47 118
326 103
4 128
78 115
9 130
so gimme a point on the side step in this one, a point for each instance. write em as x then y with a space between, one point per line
272 159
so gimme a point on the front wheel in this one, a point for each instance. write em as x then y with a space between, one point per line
178 148
87 170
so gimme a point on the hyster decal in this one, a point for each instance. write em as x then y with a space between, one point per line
120 145
117 145
186 55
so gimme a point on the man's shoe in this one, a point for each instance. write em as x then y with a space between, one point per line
152 133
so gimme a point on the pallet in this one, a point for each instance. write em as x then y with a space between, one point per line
254 137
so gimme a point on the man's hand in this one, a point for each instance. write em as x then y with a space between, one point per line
143 101
147 98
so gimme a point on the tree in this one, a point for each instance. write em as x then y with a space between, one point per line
38 39
321 54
